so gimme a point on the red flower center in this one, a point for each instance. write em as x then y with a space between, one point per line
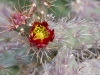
40 34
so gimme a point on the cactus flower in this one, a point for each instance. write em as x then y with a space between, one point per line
19 19
40 34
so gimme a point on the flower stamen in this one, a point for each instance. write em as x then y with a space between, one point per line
40 32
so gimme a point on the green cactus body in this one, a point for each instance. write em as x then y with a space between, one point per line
77 33
63 64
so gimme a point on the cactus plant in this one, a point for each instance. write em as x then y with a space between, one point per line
30 37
